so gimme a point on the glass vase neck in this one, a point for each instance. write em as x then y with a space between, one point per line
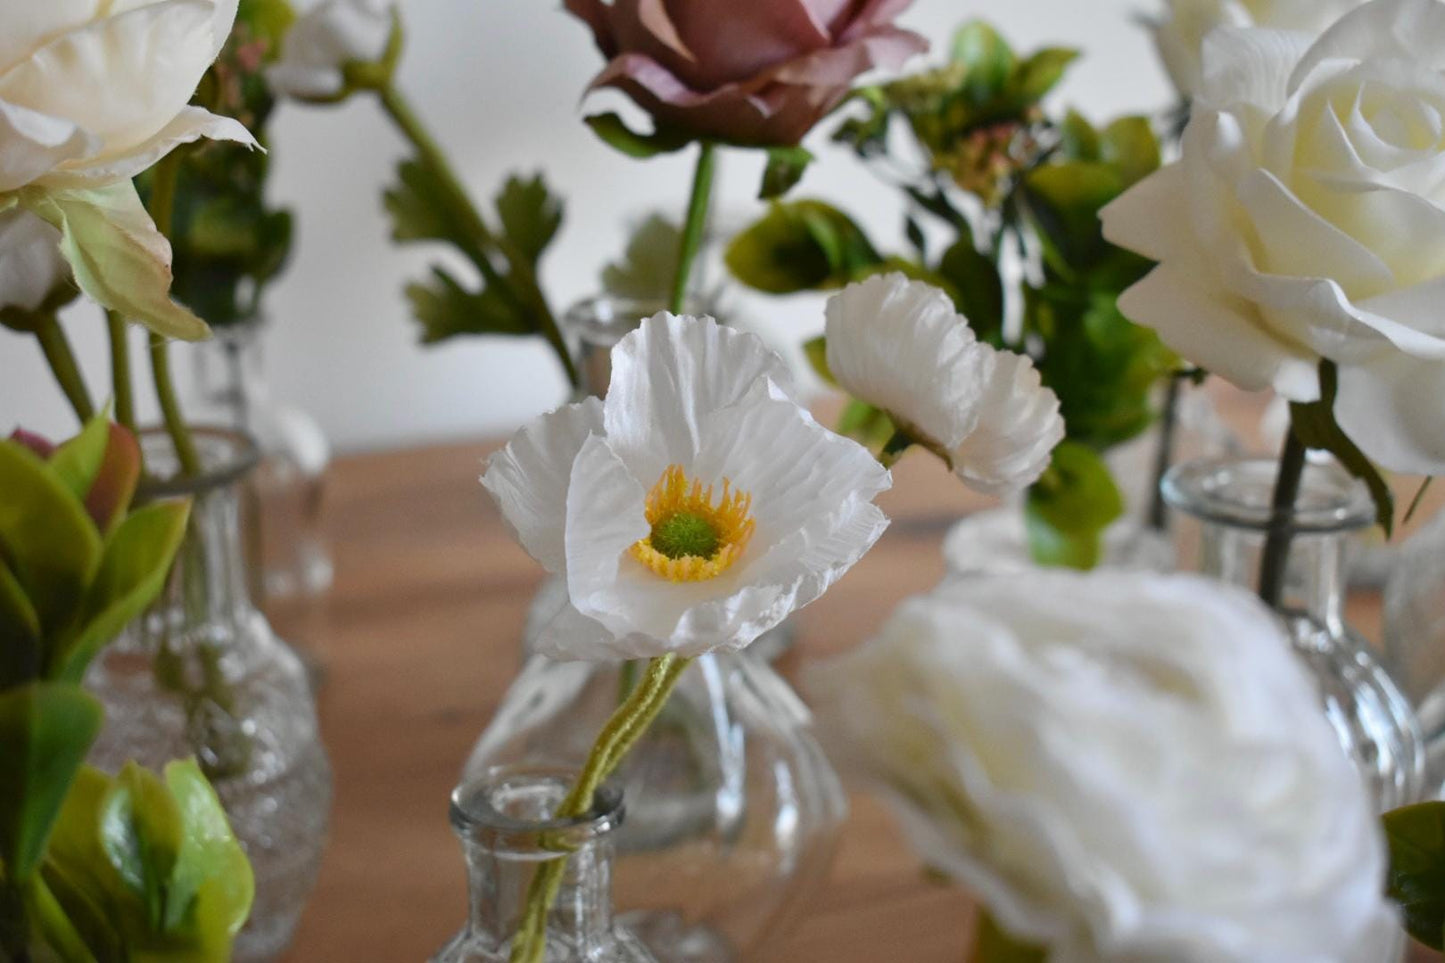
593 326
1231 498
507 830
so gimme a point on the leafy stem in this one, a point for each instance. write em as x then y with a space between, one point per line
162 208
62 363
1277 543
696 223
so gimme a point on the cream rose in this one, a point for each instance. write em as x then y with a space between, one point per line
1306 221
30 263
1124 767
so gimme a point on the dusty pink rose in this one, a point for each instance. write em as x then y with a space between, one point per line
755 72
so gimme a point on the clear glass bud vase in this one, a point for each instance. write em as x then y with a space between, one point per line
504 819
1415 638
734 811
201 674
1230 500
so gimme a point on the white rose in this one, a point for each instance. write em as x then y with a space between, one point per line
1180 31
94 92
1306 221
320 44
30 263
1124 767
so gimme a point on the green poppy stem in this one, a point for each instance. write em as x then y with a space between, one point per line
63 365
522 287
695 225
1275 561
622 732
120 370
162 209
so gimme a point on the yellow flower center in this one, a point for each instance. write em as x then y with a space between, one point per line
692 538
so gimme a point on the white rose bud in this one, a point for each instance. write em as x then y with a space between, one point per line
30 263
1123 767
331 35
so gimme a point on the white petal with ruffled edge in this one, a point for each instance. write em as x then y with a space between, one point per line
1018 431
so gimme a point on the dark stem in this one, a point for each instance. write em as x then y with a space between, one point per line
162 208
695 225
1164 457
62 363
120 383
1275 561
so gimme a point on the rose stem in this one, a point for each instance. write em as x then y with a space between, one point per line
1277 543
162 207
529 297
62 363
692 231
120 370
1164 457
617 738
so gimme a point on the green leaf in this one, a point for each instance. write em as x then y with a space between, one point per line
210 866
1041 73
1315 425
979 288
816 351
615 132
140 832
133 570
1068 509
51 545
445 309
649 264
786 166
1416 836
993 945
46 729
1078 138
1064 199
117 255
77 462
422 209
800 246
78 871
869 426
530 214
1129 144
989 60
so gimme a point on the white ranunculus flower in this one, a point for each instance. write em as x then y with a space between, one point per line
692 510
1124 767
328 37
1180 30
95 92
30 263
901 346
1306 221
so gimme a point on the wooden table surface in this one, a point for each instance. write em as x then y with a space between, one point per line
418 641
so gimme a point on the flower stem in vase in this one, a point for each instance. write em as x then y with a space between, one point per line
62 363
622 732
162 206
1277 543
1164 457
120 383
696 224
520 287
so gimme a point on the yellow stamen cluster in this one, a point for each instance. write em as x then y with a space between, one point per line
675 504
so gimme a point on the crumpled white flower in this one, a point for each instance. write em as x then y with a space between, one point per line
94 92
1123 767
1180 30
901 346
1306 221
323 41
30 263
695 508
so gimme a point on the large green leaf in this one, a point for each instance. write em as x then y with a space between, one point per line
117 255
979 288
615 132
801 246
22 653
1416 835
445 309
1314 424
1130 144
211 867
132 573
141 833
530 214
986 56
1068 509
77 462
649 265
786 166
422 208
46 729
1041 73
51 545
78 871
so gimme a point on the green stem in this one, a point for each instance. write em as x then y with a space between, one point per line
162 209
696 224
120 380
522 287
623 730
894 447
53 923
1275 560
62 362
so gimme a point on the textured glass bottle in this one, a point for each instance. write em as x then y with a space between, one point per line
201 674
1230 499
1415 638
504 821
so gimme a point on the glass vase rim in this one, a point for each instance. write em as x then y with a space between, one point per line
227 455
474 815
606 318
1331 499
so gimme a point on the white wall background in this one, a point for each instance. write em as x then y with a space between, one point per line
499 82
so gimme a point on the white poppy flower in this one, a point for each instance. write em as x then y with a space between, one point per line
320 44
1123 767
30 263
1305 221
901 346
94 92
692 510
